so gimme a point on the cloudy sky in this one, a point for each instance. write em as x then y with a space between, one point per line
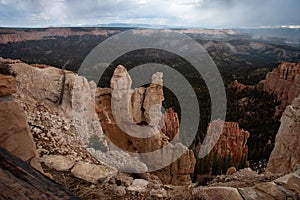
189 13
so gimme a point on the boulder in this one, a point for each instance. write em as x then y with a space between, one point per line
211 193
138 185
58 162
230 171
92 173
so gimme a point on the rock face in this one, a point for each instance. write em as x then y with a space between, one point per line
133 121
284 81
45 89
15 135
7 85
232 144
171 124
92 172
285 156
119 159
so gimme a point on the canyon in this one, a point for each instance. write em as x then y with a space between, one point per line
65 120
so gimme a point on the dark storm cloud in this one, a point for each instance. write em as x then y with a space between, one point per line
197 13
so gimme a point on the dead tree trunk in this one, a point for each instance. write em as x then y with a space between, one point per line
18 180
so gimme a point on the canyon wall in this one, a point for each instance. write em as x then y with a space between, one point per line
15 135
285 157
15 35
284 81
232 143
229 150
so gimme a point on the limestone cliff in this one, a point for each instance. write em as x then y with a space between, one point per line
284 81
285 156
124 113
15 135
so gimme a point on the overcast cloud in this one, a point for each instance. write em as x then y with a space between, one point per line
192 13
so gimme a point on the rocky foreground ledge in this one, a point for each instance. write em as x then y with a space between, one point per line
48 119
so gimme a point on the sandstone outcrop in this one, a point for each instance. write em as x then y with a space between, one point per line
133 121
58 93
285 156
171 124
231 145
15 135
239 86
284 81
7 85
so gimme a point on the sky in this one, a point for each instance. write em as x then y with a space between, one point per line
174 13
